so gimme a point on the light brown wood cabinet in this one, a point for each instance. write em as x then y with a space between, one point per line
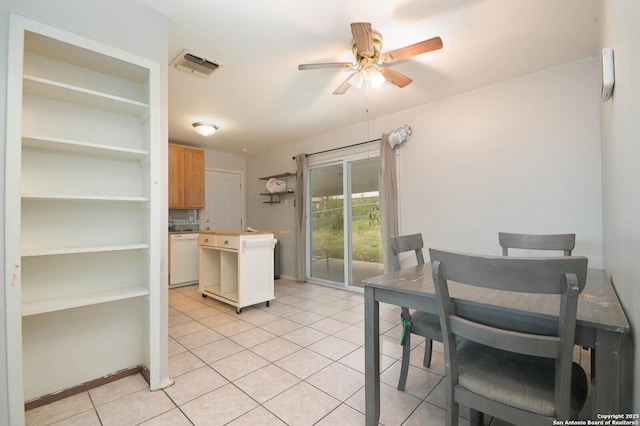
186 177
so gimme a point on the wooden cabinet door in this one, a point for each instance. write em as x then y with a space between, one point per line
176 177
193 178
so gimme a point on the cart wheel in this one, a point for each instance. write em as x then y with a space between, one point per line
204 295
268 303
238 311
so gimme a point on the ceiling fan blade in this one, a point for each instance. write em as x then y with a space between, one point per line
364 41
344 65
344 86
394 77
412 50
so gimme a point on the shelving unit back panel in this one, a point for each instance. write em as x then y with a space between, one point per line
209 268
69 74
60 223
66 276
53 172
58 119
39 44
229 273
65 348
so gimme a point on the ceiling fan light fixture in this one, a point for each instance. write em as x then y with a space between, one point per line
205 129
376 79
369 76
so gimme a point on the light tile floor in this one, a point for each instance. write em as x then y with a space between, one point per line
298 362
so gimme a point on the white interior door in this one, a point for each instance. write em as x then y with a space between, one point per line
224 201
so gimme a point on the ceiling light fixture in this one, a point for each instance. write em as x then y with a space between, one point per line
368 76
205 129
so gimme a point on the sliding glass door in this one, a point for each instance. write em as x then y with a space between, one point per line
344 222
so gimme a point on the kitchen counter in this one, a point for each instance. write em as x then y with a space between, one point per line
238 233
237 267
184 232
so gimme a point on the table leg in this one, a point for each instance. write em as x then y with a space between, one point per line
607 390
371 357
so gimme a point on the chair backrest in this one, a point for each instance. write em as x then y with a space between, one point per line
561 242
565 276
402 243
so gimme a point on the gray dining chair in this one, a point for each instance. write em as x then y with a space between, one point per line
518 376
556 242
559 242
420 323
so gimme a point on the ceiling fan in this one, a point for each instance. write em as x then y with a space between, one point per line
370 64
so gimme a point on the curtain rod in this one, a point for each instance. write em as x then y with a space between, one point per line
342 147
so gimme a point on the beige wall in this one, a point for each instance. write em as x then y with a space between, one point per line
620 171
522 155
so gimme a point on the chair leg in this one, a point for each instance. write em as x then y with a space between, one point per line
476 418
452 413
428 348
404 369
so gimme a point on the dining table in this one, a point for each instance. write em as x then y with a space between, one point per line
601 325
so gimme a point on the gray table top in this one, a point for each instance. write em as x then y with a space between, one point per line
598 304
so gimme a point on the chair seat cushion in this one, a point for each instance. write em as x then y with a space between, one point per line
521 381
426 324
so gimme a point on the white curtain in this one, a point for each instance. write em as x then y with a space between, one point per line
388 183
302 165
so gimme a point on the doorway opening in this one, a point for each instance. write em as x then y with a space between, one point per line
345 244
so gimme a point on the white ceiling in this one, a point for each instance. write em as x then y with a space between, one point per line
258 97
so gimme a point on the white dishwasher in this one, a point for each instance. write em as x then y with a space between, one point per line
183 258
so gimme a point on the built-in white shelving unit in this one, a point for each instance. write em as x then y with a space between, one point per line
85 214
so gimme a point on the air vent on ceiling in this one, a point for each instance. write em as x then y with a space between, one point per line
194 64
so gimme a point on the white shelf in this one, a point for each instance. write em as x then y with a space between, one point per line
71 146
52 251
66 92
51 305
216 291
62 197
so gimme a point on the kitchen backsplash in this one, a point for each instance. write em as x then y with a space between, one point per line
184 220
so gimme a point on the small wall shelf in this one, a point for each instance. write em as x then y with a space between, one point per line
276 197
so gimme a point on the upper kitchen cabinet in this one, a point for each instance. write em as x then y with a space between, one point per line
186 177
83 228
176 177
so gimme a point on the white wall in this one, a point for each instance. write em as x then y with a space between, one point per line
4 376
224 161
120 23
620 171
522 155
519 156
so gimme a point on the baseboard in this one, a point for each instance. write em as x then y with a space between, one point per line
57 396
288 277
